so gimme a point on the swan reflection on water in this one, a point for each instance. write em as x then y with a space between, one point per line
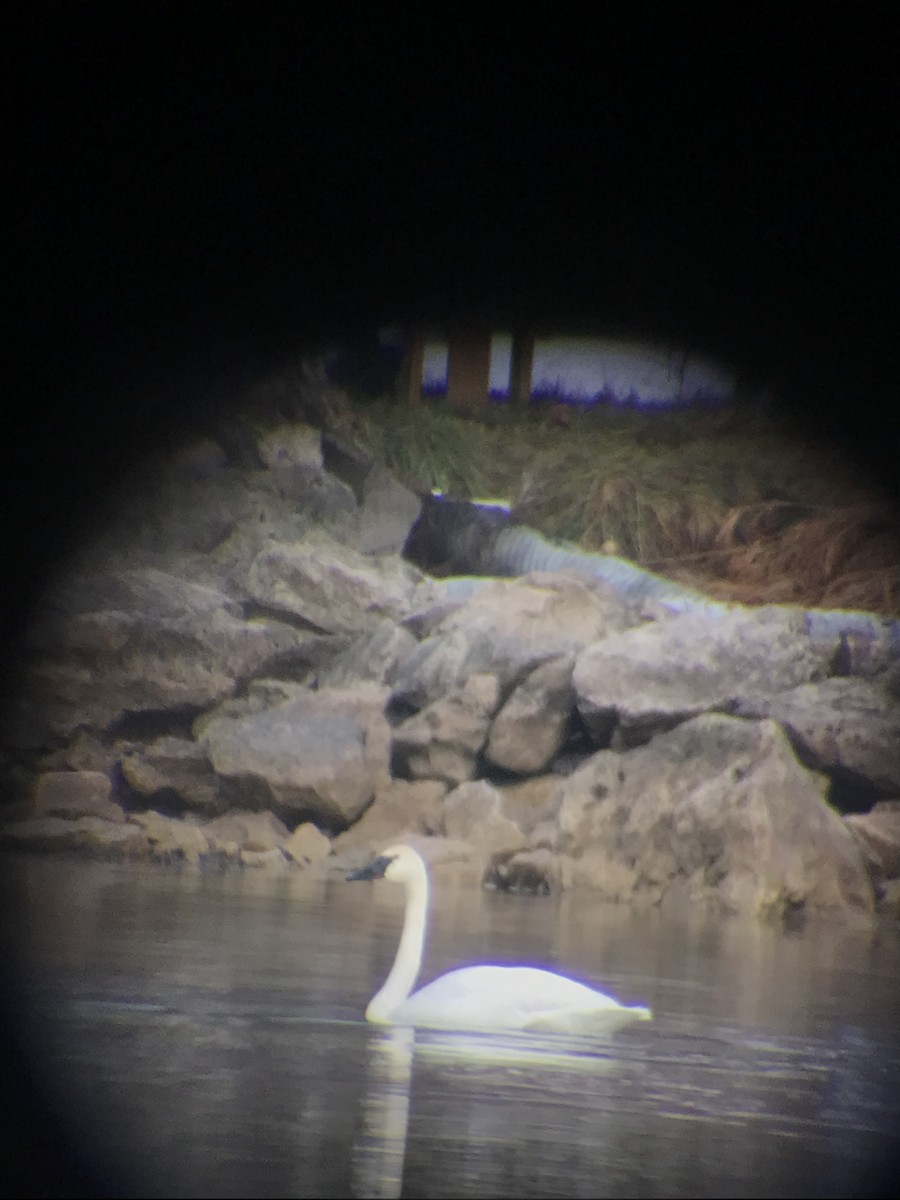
480 997
379 1150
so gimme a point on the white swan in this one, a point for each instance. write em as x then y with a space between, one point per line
484 997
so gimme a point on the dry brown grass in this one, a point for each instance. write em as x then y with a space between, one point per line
845 558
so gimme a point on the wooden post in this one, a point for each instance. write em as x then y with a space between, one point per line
412 366
468 370
521 365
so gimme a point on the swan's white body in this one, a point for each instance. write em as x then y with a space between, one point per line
484 997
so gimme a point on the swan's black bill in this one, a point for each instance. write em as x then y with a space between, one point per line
375 869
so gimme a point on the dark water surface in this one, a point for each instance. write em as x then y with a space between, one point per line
202 1035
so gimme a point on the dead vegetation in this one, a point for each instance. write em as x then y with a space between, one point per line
843 558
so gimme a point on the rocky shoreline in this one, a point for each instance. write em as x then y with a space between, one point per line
245 670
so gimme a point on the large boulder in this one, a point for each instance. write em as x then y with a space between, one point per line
443 741
649 679
531 726
474 812
286 504
330 587
720 811
552 612
441 665
172 839
86 752
371 656
173 766
291 445
137 641
318 758
388 510
238 829
532 802
212 505
75 794
307 845
402 807
849 727
259 695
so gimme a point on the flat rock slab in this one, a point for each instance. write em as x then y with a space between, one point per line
648 679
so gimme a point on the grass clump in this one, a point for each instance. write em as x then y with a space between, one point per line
428 447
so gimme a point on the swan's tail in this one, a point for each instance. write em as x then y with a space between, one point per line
592 1021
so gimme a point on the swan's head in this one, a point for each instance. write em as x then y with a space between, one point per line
401 864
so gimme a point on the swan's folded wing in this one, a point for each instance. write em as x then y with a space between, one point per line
496 997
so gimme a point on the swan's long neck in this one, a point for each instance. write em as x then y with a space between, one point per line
403 974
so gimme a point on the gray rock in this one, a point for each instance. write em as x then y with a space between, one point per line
444 739
260 695
846 725
172 764
329 586
649 679
388 511
531 726
423 622
550 612
259 832
718 811
321 757
212 515
171 839
138 641
84 753
442 664
869 645
401 808
372 656
75 794
295 445
474 812
307 845
532 802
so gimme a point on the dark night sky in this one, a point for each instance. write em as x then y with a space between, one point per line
197 188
